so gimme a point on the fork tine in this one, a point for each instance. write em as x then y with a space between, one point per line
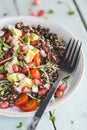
67 48
73 51
77 54
70 51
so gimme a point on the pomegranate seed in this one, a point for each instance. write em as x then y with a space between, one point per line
33 13
59 93
25 89
2 76
41 13
42 91
36 2
31 64
23 48
37 82
34 43
25 70
20 57
62 87
4 105
16 68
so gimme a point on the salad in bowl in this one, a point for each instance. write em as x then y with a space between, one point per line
30 51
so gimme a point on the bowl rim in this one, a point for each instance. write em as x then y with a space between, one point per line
66 97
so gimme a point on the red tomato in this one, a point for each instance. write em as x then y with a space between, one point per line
7 35
26 35
2 76
16 68
25 70
31 64
35 73
25 89
23 48
30 106
37 59
23 99
37 82
34 43
41 13
42 91
62 87
59 93
4 105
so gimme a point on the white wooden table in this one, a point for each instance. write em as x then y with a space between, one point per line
72 115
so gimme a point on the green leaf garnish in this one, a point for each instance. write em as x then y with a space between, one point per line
53 117
49 64
51 11
20 125
2 69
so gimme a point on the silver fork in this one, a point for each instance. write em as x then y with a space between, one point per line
67 65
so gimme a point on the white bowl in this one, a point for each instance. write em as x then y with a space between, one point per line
66 35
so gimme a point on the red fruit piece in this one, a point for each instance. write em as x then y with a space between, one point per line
16 68
37 82
34 43
4 105
62 87
25 89
2 76
59 93
23 48
36 2
42 91
31 64
25 70
41 13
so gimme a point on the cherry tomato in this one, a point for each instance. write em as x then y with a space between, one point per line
42 91
30 106
62 87
23 48
37 59
2 76
34 43
35 73
25 89
23 99
16 68
7 35
37 82
31 64
4 105
25 70
59 93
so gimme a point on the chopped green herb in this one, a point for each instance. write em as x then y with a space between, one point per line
49 63
2 92
38 100
18 50
22 63
2 69
71 12
52 117
51 11
71 9
20 125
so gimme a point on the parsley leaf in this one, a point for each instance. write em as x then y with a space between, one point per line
20 125
52 117
51 11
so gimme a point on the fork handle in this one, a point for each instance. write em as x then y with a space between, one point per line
43 106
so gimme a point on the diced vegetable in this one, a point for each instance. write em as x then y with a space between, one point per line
13 77
16 32
34 37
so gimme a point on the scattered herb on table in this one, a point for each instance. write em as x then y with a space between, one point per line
51 11
20 125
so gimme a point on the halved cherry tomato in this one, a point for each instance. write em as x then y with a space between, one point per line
35 73
23 99
30 106
37 82
7 35
37 59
